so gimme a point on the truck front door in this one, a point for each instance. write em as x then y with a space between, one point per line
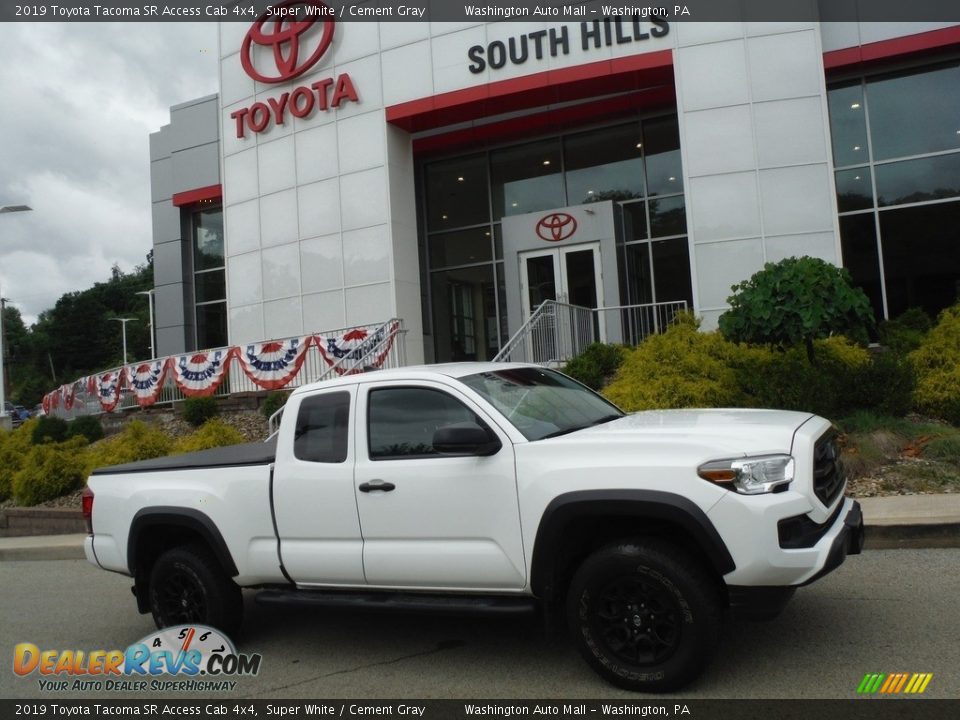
428 520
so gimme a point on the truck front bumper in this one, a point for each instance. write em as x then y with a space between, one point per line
849 541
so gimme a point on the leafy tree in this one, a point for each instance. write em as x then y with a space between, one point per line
794 301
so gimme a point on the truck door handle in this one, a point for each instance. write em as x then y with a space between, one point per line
376 485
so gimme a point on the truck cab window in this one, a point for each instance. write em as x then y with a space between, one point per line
322 428
402 421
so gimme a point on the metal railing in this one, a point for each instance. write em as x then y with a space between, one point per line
557 332
390 344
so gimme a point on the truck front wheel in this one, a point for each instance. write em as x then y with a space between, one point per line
188 586
644 615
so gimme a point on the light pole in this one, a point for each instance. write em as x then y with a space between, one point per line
3 378
123 322
149 294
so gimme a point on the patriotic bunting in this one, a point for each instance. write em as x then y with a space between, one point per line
108 390
271 365
200 375
356 346
146 380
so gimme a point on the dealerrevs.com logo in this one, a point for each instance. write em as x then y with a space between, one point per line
184 658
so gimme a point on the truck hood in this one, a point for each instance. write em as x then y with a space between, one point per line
733 431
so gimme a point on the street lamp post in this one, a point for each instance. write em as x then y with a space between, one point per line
3 378
123 322
149 294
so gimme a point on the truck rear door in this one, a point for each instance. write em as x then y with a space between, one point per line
313 499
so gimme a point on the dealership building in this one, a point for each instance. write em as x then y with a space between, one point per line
455 175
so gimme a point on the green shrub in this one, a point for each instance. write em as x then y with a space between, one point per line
49 471
86 425
198 410
794 302
274 402
944 448
596 364
213 433
887 385
138 441
937 366
49 429
680 368
14 447
905 333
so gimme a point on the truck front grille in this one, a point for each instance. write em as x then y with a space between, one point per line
828 474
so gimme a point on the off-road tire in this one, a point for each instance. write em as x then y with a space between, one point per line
187 585
644 614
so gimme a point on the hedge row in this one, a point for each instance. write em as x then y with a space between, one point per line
34 473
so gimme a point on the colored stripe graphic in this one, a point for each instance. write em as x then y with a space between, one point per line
894 683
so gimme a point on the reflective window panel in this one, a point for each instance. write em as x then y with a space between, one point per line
526 178
911 181
858 241
848 124
208 239
854 190
604 164
464 313
460 247
457 192
661 144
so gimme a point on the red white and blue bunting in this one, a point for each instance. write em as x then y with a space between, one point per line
272 365
269 365
356 347
200 375
145 380
108 390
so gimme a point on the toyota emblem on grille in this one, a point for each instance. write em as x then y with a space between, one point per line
556 227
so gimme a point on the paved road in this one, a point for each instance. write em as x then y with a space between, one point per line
884 611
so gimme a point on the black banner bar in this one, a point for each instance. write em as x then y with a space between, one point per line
492 10
641 706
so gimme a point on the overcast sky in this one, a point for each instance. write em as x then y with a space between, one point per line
79 102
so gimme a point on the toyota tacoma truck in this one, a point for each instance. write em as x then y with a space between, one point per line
491 488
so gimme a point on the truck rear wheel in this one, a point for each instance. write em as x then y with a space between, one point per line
644 615
187 585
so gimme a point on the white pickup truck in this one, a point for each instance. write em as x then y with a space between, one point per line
494 488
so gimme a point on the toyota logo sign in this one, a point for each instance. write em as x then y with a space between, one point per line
275 29
556 227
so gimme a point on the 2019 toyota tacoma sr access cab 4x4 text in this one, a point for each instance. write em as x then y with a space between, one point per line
495 488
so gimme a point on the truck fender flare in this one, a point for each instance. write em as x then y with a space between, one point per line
183 517
642 504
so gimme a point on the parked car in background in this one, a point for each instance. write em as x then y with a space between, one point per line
17 413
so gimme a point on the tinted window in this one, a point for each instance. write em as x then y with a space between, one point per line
402 421
322 428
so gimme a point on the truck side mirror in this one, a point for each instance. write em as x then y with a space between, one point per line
465 438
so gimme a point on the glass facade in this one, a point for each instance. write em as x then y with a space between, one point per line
209 279
896 148
636 164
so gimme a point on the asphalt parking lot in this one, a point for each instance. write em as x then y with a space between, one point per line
883 611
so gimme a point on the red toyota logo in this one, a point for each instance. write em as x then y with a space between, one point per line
284 38
556 227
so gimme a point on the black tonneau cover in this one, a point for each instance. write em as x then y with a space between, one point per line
255 453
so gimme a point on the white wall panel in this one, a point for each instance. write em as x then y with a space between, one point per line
244 279
278 218
796 199
318 207
246 324
240 176
781 66
242 228
790 132
317 154
366 255
361 141
724 263
363 199
323 311
407 73
724 206
283 318
281 272
276 165
713 75
321 263
720 140
368 304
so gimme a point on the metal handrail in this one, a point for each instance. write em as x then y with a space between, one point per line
548 309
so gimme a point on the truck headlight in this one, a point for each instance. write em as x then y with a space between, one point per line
750 475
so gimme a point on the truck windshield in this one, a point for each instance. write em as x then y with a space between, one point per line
541 403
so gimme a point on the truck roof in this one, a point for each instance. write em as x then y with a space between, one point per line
416 372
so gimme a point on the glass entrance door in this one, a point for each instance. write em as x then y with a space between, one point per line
568 275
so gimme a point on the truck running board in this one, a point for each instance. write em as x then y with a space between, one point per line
400 602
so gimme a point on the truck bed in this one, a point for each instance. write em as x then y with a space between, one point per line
255 453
